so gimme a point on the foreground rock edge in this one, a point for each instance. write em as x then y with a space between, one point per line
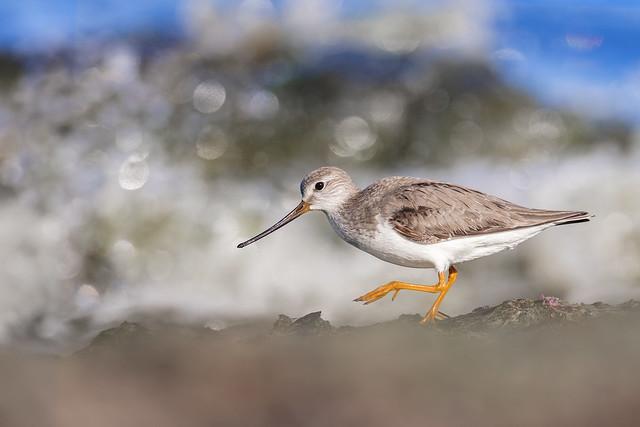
516 314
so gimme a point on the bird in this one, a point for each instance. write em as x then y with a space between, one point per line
419 223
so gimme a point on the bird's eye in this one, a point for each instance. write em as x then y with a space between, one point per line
319 185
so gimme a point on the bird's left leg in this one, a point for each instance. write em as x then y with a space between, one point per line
433 311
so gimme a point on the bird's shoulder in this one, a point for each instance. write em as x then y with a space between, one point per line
371 197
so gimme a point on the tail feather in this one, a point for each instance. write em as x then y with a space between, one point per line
543 216
574 218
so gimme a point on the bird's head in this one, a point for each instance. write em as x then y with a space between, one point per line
325 189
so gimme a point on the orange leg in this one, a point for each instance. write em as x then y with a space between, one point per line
397 286
440 288
433 311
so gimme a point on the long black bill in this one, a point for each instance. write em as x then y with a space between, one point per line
302 208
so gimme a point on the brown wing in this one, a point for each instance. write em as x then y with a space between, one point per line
429 212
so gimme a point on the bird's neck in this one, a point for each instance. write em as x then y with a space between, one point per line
338 214
337 209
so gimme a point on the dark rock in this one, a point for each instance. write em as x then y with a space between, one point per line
528 313
132 334
630 305
309 324
124 333
410 318
283 323
517 314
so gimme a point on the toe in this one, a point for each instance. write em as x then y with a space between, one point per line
429 317
369 298
374 295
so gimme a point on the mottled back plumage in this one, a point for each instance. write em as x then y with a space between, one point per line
427 211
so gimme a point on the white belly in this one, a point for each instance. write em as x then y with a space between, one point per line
390 246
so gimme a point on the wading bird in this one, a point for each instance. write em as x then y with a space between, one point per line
419 223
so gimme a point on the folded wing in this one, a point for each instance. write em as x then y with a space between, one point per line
430 212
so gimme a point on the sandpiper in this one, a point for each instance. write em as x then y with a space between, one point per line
419 223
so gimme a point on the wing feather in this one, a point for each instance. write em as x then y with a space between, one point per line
429 212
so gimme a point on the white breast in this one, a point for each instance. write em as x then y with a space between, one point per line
390 246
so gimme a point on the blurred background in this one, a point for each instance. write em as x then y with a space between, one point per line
141 141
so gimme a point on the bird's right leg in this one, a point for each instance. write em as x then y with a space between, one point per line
434 312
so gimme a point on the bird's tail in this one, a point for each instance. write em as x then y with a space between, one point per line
574 218
544 216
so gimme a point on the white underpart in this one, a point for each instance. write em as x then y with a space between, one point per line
390 246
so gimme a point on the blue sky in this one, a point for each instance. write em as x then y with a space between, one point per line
32 25
583 54
587 50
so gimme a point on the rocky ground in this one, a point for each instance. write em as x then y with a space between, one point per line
522 362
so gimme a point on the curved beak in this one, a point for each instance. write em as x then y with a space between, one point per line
302 208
